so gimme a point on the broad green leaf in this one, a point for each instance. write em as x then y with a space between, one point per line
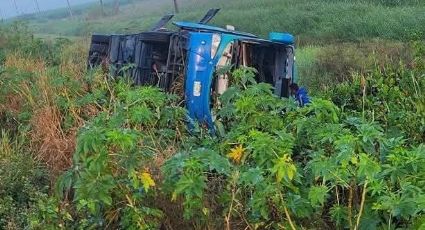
284 168
367 167
318 195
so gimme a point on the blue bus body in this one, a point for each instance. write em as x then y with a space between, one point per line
192 55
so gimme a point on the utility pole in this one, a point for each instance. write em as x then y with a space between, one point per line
1 15
117 6
38 6
69 9
16 7
102 7
176 7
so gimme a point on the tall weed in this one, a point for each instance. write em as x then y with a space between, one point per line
23 181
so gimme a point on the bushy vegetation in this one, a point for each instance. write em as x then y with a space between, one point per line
321 166
81 151
35 143
23 182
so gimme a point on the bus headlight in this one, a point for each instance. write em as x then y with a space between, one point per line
216 39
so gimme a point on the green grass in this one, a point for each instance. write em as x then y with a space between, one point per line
306 60
321 67
318 21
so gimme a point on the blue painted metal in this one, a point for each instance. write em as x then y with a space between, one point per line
201 66
207 28
199 75
284 38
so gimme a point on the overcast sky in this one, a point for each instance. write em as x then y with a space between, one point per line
7 7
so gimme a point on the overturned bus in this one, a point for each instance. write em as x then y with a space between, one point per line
185 61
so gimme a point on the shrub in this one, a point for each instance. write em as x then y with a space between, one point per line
114 175
356 160
312 167
45 93
23 182
391 96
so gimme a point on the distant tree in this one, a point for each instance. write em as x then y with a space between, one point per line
176 7
117 6
69 9
102 8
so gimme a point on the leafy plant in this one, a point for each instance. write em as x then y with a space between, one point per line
354 158
112 176
291 164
